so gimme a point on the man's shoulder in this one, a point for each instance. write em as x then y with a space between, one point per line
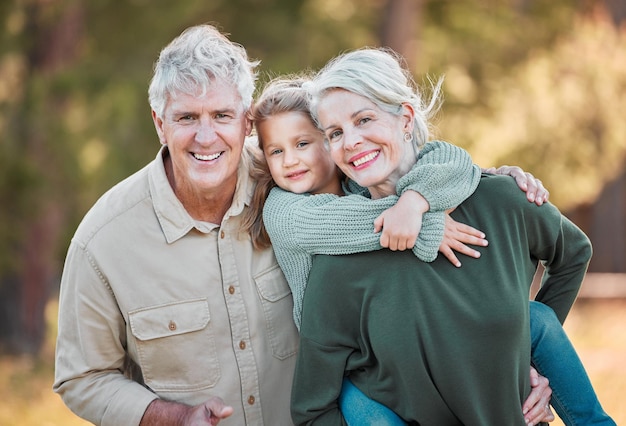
116 202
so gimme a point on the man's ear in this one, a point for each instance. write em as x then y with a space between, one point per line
158 125
249 122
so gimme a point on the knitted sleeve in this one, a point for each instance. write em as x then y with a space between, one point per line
444 175
329 224
301 226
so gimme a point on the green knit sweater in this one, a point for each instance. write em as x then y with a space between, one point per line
303 225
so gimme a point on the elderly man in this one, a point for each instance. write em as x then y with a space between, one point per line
164 303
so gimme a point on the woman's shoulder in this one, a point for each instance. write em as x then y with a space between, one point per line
504 190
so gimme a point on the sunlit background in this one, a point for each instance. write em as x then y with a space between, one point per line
535 83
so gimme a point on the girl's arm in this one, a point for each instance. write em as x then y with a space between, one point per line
444 175
329 224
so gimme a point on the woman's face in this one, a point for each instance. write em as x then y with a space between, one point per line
295 153
366 142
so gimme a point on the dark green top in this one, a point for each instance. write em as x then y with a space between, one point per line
437 344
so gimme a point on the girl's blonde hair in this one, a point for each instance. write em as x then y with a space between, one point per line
280 95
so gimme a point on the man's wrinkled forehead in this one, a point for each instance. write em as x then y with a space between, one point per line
217 96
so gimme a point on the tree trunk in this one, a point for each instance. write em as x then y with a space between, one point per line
401 21
25 289
617 11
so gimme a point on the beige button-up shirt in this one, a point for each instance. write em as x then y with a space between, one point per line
155 304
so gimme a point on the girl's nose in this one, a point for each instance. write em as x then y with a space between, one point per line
290 158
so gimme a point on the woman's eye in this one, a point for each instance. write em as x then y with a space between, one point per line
364 120
334 135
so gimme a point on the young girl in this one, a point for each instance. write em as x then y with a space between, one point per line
308 186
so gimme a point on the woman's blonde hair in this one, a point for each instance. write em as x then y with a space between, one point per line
380 75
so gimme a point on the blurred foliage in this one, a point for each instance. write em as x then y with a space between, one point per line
536 83
559 113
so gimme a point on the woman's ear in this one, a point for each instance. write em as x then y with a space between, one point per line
408 115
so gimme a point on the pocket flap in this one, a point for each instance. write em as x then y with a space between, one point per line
272 284
170 319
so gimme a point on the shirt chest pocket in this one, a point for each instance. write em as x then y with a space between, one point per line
278 309
172 337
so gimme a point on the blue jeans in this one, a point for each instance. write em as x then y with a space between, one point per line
359 410
554 357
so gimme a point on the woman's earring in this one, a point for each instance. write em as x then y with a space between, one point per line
408 137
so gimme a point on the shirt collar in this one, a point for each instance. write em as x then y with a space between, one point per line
173 218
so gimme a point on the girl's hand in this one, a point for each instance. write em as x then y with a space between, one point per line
536 408
401 224
535 191
455 238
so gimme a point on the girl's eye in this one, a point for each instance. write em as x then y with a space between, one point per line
276 151
302 144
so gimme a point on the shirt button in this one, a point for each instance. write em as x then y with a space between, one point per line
172 326
251 399
242 345
222 234
231 289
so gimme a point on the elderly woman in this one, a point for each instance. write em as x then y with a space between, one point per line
435 343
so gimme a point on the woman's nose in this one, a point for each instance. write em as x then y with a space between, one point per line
351 139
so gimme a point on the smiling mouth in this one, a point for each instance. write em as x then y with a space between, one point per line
296 174
365 159
206 157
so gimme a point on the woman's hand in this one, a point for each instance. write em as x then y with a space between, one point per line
536 408
456 236
535 191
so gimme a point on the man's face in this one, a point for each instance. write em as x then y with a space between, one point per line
205 136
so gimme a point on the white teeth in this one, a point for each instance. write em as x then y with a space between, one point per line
365 159
207 157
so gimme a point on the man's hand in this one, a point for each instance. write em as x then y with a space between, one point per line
209 413
166 413
536 408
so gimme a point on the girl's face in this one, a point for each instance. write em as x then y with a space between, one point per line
366 142
295 153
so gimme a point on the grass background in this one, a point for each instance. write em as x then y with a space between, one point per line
597 327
